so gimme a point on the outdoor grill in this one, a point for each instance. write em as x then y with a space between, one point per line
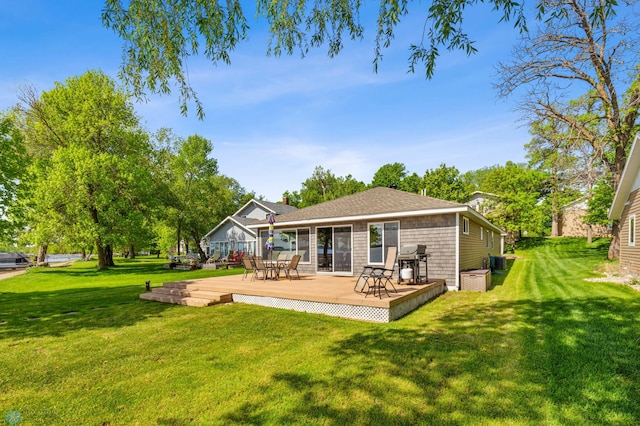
409 259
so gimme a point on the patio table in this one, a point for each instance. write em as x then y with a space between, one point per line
273 269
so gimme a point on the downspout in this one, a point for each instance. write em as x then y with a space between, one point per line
457 268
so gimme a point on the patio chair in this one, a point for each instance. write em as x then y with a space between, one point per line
292 266
380 276
215 258
248 266
260 267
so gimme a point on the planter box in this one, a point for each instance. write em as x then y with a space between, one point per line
475 280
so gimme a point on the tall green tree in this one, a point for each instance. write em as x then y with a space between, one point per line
200 197
389 175
521 191
588 49
551 151
92 151
13 165
323 186
446 183
160 35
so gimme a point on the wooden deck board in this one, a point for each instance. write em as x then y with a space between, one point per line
315 288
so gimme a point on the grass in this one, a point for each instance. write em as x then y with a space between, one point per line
543 346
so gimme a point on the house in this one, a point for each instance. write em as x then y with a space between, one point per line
233 233
340 237
483 202
571 224
625 208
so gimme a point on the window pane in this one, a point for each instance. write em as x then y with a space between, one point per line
325 251
303 244
390 236
375 243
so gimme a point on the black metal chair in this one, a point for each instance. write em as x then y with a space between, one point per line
380 276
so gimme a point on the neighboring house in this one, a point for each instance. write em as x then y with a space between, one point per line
625 208
233 234
571 224
341 236
483 202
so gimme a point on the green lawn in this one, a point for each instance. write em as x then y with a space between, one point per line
542 347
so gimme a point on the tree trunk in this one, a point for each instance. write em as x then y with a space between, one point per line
101 259
589 233
614 247
179 231
42 254
203 255
555 224
132 252
108 256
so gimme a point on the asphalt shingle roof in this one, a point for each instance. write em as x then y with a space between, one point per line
277 208
375 201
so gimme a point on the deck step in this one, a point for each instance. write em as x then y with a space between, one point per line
181 294
178 300
201 294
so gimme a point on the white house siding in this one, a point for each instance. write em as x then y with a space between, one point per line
253 211
230 231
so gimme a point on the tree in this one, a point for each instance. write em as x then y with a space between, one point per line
389 175
550 151
324 186
521 191
586 48
160 35
446 183
200 197
89 147
13 165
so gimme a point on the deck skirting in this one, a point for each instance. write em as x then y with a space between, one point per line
344 310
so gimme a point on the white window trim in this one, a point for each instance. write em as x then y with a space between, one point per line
465 225
481 233
632 242
369 262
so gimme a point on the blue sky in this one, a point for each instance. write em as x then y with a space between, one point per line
273 120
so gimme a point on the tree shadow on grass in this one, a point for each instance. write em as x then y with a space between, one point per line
56 313
556 361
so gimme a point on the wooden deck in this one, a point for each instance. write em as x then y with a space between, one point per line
325 294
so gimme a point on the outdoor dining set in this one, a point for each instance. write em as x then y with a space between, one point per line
270 269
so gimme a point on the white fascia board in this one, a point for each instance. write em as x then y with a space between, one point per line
457 280
225 220
364 217
626 181
392 215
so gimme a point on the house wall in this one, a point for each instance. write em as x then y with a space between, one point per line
630 255
473 250
229 231
253 211
437 232
571 225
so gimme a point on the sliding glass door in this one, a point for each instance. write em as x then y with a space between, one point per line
334 247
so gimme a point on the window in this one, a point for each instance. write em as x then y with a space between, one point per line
334 249
632 230
486 242
381 237
481 232
493 240
465 225
288 240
